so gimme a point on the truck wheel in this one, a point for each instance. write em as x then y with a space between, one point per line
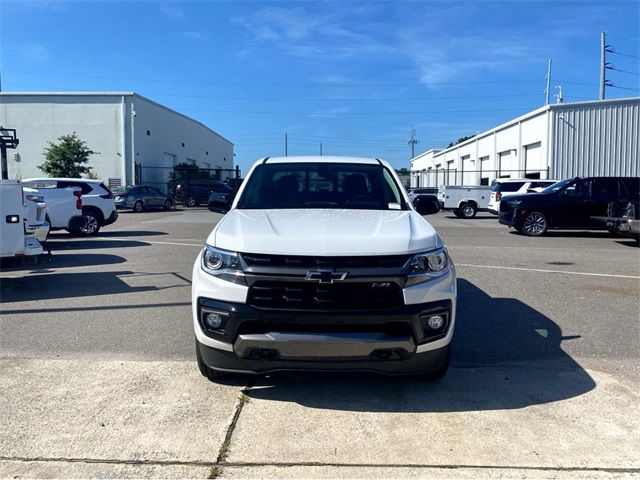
168 204
535 224
138 206
191 202
207 372
468 210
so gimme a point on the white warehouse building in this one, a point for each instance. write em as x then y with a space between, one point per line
136 139
595 138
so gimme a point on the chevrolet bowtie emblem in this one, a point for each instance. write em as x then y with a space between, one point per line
325 276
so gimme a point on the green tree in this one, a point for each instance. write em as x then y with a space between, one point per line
67 158
460 140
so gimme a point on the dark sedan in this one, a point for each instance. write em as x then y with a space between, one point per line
569 204
141 197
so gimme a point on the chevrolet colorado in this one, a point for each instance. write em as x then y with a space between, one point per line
322 263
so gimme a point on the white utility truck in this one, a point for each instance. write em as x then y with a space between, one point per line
17 233
465 201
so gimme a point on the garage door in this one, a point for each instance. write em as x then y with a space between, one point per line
533 161
508 165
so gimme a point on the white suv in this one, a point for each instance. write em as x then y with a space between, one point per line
514 186
322 263
98 204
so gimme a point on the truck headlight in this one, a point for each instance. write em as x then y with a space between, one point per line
223 264
425 266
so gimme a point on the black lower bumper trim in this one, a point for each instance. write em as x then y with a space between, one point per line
417 363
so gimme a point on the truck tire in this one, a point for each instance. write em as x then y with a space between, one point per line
207 372
535 224
468 210
456 212
191 202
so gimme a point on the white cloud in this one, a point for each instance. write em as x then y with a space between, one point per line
35 51
171 11
193 35
330 113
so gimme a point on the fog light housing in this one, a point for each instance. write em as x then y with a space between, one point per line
435 322
213 320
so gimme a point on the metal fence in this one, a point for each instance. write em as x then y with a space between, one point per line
454 176
166 178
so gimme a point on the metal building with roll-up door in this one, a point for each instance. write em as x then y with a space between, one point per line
595 138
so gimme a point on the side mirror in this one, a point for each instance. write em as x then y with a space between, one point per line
426 204
219 202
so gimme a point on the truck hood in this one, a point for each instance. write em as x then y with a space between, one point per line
324 232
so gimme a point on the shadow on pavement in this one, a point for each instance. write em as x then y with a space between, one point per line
571 234
129 233
506 355
86 244
45 286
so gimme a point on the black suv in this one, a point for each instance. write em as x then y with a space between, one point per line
567 204
195 192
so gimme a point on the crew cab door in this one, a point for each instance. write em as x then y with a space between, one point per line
573 206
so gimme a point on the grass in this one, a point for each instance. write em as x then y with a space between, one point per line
214 472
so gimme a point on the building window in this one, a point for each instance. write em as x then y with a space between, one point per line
182 144
206 153
148 133
224 159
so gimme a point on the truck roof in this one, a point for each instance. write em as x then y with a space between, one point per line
323 159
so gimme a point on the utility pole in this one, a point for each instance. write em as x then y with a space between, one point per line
548 89
603 64
413 142
286 146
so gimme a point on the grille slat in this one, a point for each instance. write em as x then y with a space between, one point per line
313 296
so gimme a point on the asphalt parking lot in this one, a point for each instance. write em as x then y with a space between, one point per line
98 375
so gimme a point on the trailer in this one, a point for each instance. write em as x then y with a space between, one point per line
464 201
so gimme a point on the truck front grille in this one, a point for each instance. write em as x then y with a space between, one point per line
293 261
306 295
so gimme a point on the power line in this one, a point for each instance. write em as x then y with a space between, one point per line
621 54
311 84
623 71
313 99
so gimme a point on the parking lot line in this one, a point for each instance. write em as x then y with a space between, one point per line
540 270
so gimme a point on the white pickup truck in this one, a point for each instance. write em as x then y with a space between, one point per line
465 201
64 207
323 263
16 238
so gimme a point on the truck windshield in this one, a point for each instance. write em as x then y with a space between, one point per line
321 185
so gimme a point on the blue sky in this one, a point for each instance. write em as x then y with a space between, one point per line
355 76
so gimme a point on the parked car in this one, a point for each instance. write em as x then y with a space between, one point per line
196 192
464 201
623 218
15 238
414 192
63 209
141 197
568 204
221 202
98 205
514 186
337 273
234 182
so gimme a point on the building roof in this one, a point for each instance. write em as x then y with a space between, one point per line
111 94
533 113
